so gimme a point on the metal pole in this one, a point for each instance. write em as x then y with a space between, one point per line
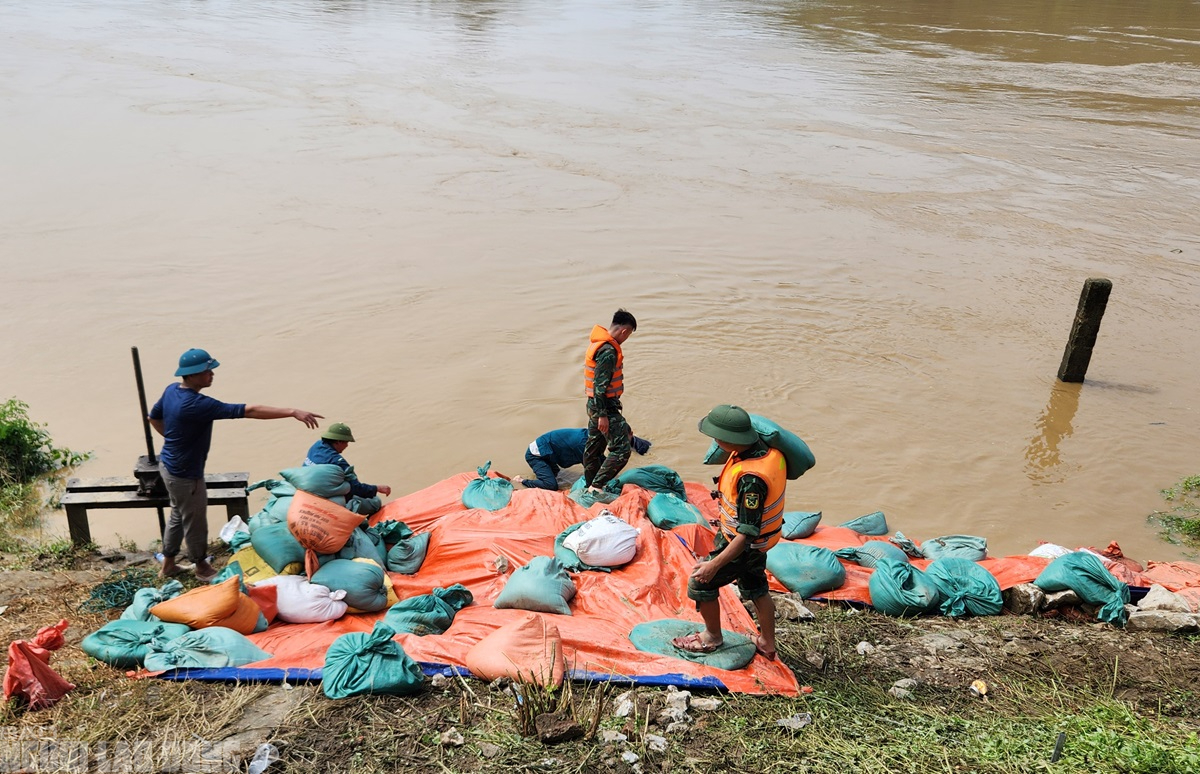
137 371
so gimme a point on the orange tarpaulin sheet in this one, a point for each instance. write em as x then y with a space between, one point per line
463 548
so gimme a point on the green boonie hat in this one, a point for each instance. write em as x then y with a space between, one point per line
338 432
730 424
195 361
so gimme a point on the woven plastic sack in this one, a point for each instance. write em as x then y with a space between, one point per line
805 570
431 613
604 541
364 544
1085 574
967 547
798 525
298 601
589 497
487 492
899 589
736 651
374 663
211 648
221 605
799 457
324 481
276 487
144 599
656 478
364 506
123 644
407 555
391 531
967 588
871 552
871 524
363 582
668 511
568 558
529 650
276 544
542 586
274 512
321 526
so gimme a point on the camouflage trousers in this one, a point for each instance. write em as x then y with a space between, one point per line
599 469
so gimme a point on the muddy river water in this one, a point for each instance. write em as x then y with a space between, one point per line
869 221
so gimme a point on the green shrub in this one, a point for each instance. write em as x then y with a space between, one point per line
28 458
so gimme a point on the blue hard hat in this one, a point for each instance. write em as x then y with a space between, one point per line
195 361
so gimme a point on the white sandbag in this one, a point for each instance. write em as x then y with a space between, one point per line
232 527
605 541
299 601
1050 551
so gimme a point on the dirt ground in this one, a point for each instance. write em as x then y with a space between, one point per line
1153 673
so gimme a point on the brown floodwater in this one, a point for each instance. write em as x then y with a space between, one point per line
869 221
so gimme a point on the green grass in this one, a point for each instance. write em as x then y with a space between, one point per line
1181 524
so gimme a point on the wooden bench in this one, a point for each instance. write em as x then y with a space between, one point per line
84 494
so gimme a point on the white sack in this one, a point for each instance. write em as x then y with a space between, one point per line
605 541
299 601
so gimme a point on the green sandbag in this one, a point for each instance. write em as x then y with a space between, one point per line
364 506
391 531
668 511
967 588
363 583
805 570
568 558
276 487
274 512
239 541
1084 574
736 651
407 556
428 613
967 547
871 524
542 586
123 643
327 481
212 647
364 544
144 599
798 525
277 546
486 492
799 457
587 497
359 663
229 571
871 552
898 589
656 478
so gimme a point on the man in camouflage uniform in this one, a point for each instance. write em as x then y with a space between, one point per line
604 384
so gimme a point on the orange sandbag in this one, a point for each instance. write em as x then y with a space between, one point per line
244 618
266 597
205 606
320 525
528 649
29 675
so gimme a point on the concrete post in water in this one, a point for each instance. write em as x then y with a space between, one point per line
1078 354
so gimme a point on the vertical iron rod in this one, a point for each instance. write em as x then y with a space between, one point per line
137 371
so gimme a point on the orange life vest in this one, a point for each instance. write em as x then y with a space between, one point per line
600 336
772 468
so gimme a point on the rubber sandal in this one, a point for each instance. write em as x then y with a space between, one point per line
208 578
692 643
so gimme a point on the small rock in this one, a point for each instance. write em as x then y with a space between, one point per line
609 736
908 683
671 715
555 727
656 743
452 738
676 728
439 681
706 704
1163 621
679 699
795 722
814 658
630 757
489 750
624 708
1067 598
901 693
788 608
1159 598
549 763
864 647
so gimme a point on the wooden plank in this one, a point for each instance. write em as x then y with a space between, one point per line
122 499
129 483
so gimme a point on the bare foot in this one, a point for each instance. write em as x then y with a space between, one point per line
764 648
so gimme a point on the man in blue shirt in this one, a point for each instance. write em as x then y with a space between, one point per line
559 449
328 451
184 418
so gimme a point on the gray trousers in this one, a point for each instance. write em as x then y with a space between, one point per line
188 523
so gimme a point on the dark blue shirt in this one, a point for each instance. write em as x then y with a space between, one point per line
321 453
563 448
187 418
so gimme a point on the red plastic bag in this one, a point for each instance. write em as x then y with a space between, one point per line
29 675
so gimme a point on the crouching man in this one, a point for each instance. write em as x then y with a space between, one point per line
750 493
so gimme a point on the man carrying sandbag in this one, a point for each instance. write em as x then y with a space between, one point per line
327 450
559 449
184 418
750 493
604 382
